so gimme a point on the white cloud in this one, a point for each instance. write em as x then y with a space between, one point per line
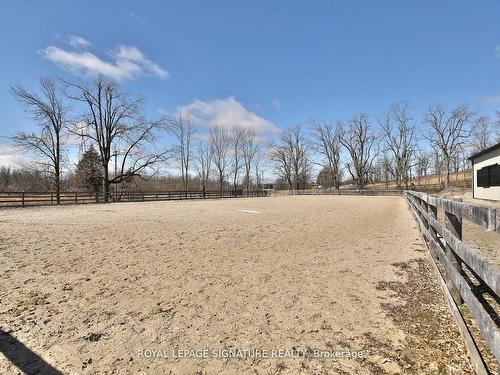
497 51
78 41
227 113
492 101
10 156
136 17
276 103
127 62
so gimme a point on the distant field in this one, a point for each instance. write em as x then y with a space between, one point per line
88 287
460 178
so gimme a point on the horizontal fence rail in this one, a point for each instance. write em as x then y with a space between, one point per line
485 216
25 199
470 278
367 192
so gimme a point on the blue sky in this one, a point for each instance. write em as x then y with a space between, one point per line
268 64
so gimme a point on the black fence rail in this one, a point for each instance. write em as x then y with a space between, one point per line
470 278
27 199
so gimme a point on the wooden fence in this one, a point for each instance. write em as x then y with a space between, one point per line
470 278
367 192
25 199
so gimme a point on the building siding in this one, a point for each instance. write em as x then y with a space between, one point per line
490 158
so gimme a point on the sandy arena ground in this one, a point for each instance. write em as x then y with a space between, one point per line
90 288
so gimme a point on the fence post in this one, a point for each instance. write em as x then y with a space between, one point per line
454 225
76 197
22 196
425 208
432 211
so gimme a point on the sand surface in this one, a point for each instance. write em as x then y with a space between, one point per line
90 288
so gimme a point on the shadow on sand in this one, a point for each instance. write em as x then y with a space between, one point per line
25 360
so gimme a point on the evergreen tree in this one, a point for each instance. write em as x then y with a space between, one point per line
88 173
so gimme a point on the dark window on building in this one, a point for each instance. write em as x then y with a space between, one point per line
483 178
494 175
488 176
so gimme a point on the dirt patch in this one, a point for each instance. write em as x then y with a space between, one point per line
433 344
90 288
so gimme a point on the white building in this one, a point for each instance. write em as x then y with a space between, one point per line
486 173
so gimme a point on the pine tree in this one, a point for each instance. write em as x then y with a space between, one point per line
88 173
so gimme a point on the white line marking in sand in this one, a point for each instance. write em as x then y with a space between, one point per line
249 211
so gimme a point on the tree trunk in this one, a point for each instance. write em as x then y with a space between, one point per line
247 181
447 179
234 184
58 169
58 185
221 182
105 184
185 183
360 181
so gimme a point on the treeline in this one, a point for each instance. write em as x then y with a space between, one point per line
394 148
120 146
120 149
19 179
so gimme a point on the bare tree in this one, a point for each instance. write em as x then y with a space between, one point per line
466 163
481 133
299 147
400 140
182 128
387 169
204 158
382 169
459 160
259 173
437 161
361 144
456 161
24 178
250 149
448 131
5 177
497 128
281 158
114 122
376 174
236 140
422 165
219 145
291 157
326 141
49 112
